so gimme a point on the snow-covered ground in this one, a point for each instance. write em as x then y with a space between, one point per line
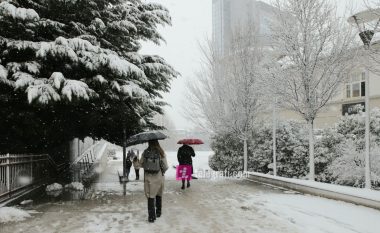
218 205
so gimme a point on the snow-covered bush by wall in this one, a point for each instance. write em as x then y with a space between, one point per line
339 155
228 153
349 168
292 149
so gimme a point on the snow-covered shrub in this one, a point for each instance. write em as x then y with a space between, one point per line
327 150
228 153
260 150
353 127
77 186
340 150
53 187
349 169
292 151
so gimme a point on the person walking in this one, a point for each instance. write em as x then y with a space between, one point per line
137 166
154 163
128 162
184 156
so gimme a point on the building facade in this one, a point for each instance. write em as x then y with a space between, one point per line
349 99
227 15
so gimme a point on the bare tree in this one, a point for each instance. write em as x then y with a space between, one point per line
314 44
228 96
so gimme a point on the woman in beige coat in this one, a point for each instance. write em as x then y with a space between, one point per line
154 178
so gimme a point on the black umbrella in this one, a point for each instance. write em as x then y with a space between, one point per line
145 137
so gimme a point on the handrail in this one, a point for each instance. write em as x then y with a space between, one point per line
18 172
82 165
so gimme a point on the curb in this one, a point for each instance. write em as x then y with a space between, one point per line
316 191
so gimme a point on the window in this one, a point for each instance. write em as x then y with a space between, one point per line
355 86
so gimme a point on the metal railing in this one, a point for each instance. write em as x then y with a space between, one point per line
82 166
19 171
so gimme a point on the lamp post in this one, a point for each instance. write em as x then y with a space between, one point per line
274 138
362 20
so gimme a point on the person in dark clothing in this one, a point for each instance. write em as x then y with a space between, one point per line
128 162
184 156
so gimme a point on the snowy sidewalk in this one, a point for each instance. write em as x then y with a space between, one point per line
228 205
208 206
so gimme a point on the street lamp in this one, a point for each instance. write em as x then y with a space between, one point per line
363 20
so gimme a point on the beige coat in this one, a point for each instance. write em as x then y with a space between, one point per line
154 183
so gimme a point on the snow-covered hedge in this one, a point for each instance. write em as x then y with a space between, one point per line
339 155
228 154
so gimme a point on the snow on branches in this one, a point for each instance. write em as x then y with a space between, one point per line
75 52
9 10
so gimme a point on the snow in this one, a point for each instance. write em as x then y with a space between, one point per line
124 26
22 79
77 44
10 10
42 93
26 202
98 23
53 187
75 186
56 50
32 67
3 72
364 193
132 88
99 79
75 88
124 68
4 76
224 205
318 215
11 214
57 79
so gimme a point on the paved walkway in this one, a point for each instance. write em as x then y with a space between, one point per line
229 205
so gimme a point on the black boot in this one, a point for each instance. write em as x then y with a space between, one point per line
151 210
183 184
188 184
158 206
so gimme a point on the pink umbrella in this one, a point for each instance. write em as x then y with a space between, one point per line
190 141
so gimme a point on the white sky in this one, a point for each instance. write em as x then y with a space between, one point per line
191 25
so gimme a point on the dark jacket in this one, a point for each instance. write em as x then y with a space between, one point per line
185 154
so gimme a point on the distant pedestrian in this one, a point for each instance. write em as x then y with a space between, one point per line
154 163
184 156
128 162
137 166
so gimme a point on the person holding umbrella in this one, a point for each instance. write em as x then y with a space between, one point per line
154 162
184 156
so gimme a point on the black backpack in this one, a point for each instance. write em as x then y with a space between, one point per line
152 161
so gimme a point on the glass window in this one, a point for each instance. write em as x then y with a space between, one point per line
356 90
348 90
363 76
362 84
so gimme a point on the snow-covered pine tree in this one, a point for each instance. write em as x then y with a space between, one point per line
72 68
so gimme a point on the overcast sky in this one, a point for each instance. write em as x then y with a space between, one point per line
192 20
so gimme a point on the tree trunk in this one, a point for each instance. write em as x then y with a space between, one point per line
274 139
245 155
124 152
311 150
367 134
